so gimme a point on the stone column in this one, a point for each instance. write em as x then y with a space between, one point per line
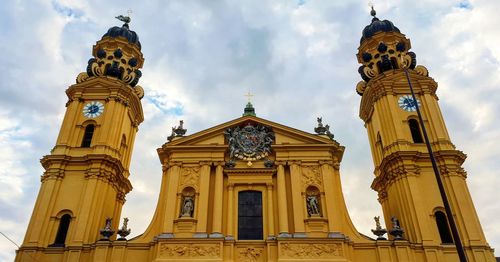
218 194
297 199
270 212
282 203
230 212
201 226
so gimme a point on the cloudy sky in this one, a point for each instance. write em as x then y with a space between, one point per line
296 56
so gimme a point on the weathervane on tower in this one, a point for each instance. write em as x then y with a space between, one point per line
125 19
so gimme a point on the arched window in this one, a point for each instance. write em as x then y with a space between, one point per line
62 231
87 137
415 131
444 230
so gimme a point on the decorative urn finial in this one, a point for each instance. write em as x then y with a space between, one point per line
123 232
379 231
396 231
107 232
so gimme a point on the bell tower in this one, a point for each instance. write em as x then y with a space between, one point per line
404 177
86 173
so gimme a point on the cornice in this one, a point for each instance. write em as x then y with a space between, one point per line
403 163
393 83
250 170
99 166
107 89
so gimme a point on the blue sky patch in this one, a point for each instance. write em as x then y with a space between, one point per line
177 110
465 5
67 11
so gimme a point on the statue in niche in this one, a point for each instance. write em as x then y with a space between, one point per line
313 205
187 207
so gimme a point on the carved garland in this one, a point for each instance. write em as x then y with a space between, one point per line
310 250
190 176
189 250
249 254
311 175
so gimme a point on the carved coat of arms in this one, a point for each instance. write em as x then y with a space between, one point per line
251 142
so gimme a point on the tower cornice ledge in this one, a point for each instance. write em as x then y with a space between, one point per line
393 83
107 88
104 165
403 163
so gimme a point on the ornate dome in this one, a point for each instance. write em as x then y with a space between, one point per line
377 26
124 31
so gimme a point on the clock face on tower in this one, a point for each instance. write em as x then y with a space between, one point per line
93 109
407 103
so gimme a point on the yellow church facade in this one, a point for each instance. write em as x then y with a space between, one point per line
251 189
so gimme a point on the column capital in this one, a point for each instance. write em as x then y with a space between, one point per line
205 163
269 186
294 162
280 163
326 162
174 163
219 163
333 163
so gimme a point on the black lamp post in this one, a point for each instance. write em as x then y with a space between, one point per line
447 207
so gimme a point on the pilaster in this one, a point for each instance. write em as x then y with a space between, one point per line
218 198
282 202
201 227
297 200
172 188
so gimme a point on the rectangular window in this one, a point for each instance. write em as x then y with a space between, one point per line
250 215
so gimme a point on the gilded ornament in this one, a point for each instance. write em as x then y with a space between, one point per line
422 70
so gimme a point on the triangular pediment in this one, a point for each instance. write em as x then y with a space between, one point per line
283 134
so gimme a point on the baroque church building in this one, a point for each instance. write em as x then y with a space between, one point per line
251 189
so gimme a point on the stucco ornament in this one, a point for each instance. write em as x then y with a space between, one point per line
250 143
